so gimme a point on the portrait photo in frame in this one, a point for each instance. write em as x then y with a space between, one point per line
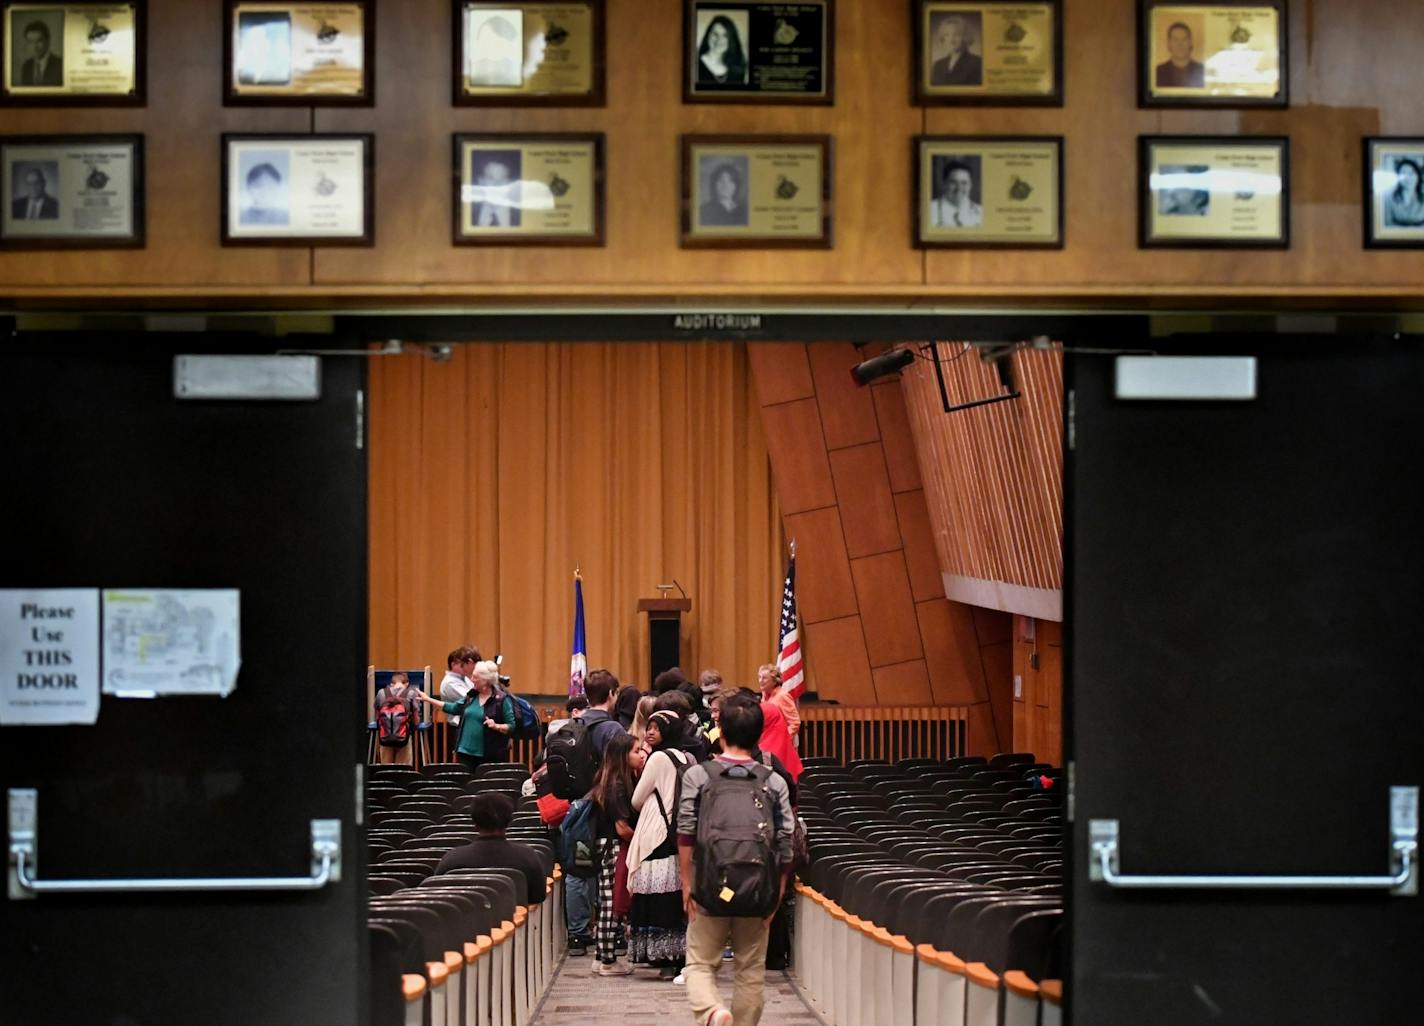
72 192
756 192
289 189
1206 192
528 189
528 54
316 53
1394 192
988 192
73 54
1195 54
990 53
763 53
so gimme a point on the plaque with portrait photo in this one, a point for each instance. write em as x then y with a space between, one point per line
756 191
72 54
758 52
988 192
314 54
290 189
72 192
529 54
995 52
1200 192
514 189
1394 193
1194 54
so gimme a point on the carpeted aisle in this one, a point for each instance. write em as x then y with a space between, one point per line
579 997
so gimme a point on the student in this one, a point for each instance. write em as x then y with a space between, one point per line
659 934
398 696
721 802
601 687
492 813
613 795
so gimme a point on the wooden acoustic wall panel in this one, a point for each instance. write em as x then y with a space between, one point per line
993 475
642 121
182 126
1038 709
876 624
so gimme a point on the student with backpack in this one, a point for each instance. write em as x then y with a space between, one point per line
659 924
612 795
396 720
487 718
734 826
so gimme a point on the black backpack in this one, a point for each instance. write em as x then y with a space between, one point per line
568 757
734 862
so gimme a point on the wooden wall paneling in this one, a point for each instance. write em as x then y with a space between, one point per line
917 536
838 667
895 433
798 456
824 588
181 125
882 587
905 683
781 372
866 505
951 652
847 409
642 122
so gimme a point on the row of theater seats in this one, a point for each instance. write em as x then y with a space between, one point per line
934 892
462 948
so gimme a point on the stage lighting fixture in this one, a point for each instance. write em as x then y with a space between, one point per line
882 366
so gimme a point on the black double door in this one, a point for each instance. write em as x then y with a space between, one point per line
112 482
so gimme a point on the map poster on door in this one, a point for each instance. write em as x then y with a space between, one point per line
171 642
49 656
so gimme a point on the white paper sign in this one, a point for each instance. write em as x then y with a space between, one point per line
161 641
49 656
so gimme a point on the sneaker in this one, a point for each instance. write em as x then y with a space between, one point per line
721 1017
680 979
726 954
667 972
577 947
623 969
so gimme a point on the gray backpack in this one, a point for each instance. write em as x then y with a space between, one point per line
734 863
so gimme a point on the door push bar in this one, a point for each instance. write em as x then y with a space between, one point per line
1402 882
24 858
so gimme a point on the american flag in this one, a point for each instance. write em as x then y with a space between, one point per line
789 661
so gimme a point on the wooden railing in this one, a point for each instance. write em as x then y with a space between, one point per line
896 732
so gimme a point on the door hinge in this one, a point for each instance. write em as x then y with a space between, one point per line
1072 420
360 418
360 794
1069 803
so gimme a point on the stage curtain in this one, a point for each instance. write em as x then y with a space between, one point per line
493 475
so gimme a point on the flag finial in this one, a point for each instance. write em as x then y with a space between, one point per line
793 548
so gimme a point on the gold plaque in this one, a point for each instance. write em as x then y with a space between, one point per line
297 51
1211 55
1394 193
989 192
529 53
989 52
58 52
1223 192
756 191
529 189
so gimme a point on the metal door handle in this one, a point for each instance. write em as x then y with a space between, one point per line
24 844
1402 880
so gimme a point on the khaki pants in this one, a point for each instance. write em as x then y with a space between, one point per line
706 937
387 756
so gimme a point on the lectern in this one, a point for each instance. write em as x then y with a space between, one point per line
664 632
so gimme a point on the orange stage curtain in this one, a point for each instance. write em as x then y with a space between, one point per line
493 475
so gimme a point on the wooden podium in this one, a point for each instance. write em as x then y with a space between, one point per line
664 633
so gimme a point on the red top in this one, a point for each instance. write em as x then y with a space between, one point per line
776 740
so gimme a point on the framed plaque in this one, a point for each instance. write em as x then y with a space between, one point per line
1215 193
290 189
1394 193
72 54
1193 54
528 54
758 52
516 189
756 191
995 52
71 191
988 192
311 54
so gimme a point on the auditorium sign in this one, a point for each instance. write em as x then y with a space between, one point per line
718 323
